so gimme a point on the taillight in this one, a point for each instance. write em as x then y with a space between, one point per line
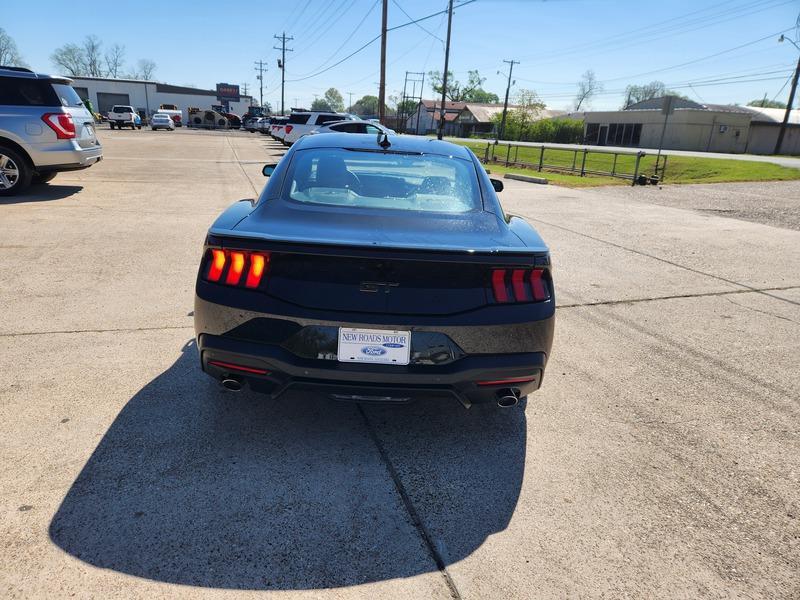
61 123
236 267
519 285
288 128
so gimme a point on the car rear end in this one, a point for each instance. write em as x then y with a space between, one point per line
45 122
374 305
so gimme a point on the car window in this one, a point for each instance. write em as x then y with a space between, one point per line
347 127
67 95
323 119
391 180
372 129
298 118
15 91
121 109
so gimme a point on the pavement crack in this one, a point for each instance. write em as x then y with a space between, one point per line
109 330
683 296
663 260
763 312
410 508
239 164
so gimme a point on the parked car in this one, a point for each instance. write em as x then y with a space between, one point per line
249 123
302 122
162 121
44 129
276 127
353 127
124 116
376 270
263 125
174 112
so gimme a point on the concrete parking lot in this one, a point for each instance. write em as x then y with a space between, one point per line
661 458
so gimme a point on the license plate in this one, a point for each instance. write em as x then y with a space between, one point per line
374 346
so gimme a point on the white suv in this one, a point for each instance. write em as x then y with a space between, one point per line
303 122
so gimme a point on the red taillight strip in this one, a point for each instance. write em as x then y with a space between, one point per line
507 381
227 365
217 264
538 286
236 268
499 285
257 265
518 283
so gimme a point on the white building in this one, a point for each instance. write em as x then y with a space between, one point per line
147 96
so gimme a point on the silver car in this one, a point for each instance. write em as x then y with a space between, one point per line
162 121
44 129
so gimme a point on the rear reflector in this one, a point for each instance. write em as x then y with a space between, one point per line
235 367
519 285
236 267
510 381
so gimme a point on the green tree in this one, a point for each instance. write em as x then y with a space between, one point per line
471 91
334 100
648 91
767 103
320 105
521 118
9 54
366 105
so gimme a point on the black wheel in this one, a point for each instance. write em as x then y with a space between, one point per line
15 172
44 177
112 125
138 127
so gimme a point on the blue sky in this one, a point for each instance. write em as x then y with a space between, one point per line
691 45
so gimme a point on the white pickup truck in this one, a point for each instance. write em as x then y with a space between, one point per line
124 116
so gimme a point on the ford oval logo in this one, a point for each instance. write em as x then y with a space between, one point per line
373 350
392 345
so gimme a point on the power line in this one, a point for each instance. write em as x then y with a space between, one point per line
260 68
373 40
397 4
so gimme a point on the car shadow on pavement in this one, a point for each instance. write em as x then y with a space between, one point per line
42 193
198 486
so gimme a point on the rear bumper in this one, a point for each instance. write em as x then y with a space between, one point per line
69 157
272 369
280 351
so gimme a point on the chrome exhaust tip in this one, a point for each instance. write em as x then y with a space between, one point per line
231 384
507 398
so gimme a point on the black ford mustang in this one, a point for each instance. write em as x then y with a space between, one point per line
376 270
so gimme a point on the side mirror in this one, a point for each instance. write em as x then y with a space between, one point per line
497 185
269 169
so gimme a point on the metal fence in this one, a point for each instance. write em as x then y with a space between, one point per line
583 161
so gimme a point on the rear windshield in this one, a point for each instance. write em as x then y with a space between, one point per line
16 91
324 119
67 95
122 109
298 119
340 177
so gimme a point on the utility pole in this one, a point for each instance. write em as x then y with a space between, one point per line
260 68
789 104
505 103
282 64
446 64
402 107
382 87
350 105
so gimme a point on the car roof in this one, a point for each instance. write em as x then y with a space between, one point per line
24 73
400 143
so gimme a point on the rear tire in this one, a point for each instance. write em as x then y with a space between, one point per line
138 127
44 177
112 125
15 172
